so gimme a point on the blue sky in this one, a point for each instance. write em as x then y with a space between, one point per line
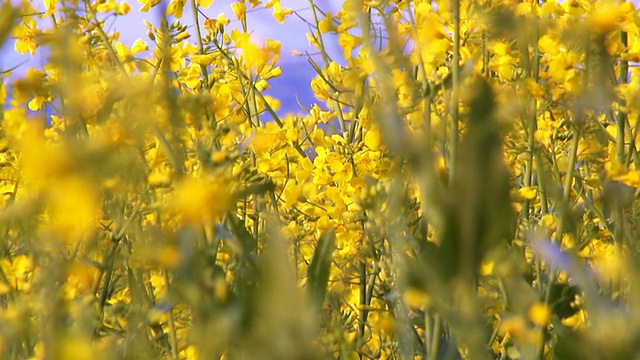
292 34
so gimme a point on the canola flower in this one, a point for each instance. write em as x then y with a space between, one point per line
464 186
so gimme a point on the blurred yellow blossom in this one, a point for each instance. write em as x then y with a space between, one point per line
200 200
73 208
416 298
540 314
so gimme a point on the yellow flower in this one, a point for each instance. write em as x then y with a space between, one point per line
549 221
548 44
503 65
577 321
159 178
540 314
534 89
123 8
325 25
204 3
36 103
198 200
240 10
320 88
271 73
279 13
313 41
175 8
372 139
416 298
605 17
139 46
632 178
514 326
123 52
18 270
25 36
192 76
551 8
525 193
501 48
348 42
148 4
253 57
266 139
73 208
107 6
50 7
486 267
190 353
324 223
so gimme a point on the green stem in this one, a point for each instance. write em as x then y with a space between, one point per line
327 61
362 270
434 348
568 181
621 121
533 122
564 209
173 338
427 91
172 156
455 72
196 22
621 116
540 175
485 55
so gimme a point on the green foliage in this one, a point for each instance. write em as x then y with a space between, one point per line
318 271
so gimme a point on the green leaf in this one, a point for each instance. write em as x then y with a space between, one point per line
318 271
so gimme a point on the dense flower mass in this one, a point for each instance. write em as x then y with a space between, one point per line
464 186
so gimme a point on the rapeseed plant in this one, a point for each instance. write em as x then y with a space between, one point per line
464 187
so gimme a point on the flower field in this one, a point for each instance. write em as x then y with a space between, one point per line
463 188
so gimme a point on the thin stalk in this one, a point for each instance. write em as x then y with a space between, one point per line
196 22
533 121
426 90
362 274
542 189
428 326
621 121
564 208
258 208
109 261
165 145
455 72
632 153
485 55
327 61
621 117
108 267
434 346
442 143
173 338
568 182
